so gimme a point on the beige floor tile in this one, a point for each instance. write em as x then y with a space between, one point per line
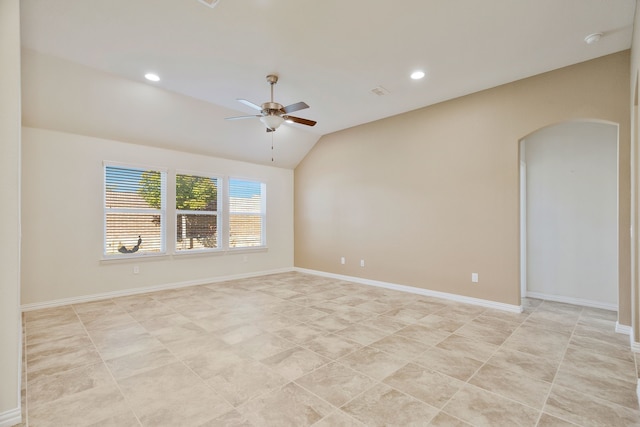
190 354
48 388
477 350
338 419
423 334
336 383
263 346
80 409
512 385
539 342
481 408
245 379
385 324
362 334
195 346
330 323
123 339
585 410
210 362
295 362
300 333
453 363
290 406
332 346
590 381
547 420
373 362
191 406
429 386
136 363
238 334
407 315
400 346
55 332
483 333
385 406
61 360
525 364
440 323
229 419
593 345
445 420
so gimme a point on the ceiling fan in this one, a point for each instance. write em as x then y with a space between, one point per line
272 114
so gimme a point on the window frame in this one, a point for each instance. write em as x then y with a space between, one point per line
162 212
219 213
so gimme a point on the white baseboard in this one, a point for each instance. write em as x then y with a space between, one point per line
623 329
143 290
574 301
11 417
419 291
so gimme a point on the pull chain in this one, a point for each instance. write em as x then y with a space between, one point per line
272 145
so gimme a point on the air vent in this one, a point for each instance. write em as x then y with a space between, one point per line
210 3
380 91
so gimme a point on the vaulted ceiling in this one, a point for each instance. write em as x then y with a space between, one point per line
330 54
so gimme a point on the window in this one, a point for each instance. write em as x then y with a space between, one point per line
134 211
196 213
246 214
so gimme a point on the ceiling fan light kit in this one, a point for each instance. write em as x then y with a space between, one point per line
272 114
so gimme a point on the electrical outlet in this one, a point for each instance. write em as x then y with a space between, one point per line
474 277
361 263
343 261
136 269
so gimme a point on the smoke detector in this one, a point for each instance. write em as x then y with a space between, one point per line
210 3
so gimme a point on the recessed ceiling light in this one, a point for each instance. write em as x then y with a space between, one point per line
417 75
152 77
593 38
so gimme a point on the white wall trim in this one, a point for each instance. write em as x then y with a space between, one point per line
574 301
11 417
136 291
419 291
623 329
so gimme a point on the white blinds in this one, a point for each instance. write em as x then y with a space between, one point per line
246 213
134 210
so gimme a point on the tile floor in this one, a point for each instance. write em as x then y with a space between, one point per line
296 350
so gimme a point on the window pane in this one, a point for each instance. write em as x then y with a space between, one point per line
133 188
196 193
124 230
245 196
245 230
134 210
246 216
196 231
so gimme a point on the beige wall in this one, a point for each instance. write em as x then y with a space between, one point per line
10 329
430 196
62 211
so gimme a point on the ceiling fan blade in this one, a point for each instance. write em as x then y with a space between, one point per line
299 120
242 117
295 107
250 104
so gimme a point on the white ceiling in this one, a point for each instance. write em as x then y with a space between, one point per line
328 53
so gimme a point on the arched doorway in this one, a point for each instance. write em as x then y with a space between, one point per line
569 213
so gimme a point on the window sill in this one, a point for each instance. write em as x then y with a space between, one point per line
247 249
133 257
